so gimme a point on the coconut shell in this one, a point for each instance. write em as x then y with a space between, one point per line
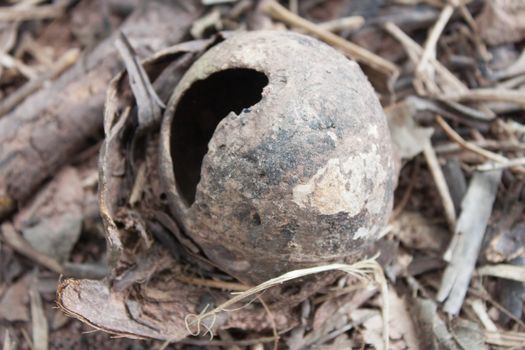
298 170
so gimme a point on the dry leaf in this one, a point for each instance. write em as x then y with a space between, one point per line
501 21
52 222
13 306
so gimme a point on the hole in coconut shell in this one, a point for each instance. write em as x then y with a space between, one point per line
198 113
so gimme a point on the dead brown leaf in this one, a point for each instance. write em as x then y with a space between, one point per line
13 306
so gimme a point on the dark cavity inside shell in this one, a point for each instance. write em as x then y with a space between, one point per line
198 113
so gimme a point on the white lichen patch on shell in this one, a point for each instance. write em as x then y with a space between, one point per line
341 185
361 233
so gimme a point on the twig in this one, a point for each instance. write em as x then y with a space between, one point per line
503 165
507 271
16 13
432 39
467 16
513 340
441 184
510 146
31 86
412 46
202 282
356 52
485 296
345 23
272 321
8 61
489 95
13 239
454 136
481 312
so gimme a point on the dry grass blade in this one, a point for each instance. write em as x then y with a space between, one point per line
368 269
356 52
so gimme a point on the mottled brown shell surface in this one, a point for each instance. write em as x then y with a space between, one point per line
303 177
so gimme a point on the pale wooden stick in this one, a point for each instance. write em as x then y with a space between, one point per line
456 84
19 244
356 52
345 23
17 13
441 184
489 95
454 136
508 164
432 39
202 282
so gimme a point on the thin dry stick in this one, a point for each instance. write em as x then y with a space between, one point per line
16 13
19 244
202 282
454 136
441 184
345 23
485 296
431 42
272 320
366 269
31 86
356 52
503 165
467 16
9 61
410 45
489 95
